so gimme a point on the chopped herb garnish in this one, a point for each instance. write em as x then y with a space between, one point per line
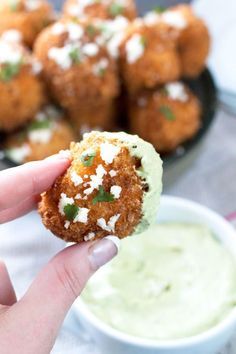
75 55
9 70
87 158
167 112
13 4
143 41
91 30
164 91
39 124
101 72
103 196
71 211
159 9
116 9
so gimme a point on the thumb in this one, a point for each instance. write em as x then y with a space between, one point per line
42 310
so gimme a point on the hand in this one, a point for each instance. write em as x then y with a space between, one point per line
30 326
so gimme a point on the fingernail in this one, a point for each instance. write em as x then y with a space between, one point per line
103 251
62 155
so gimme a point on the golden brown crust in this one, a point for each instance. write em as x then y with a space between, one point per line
148 121
20 99
60 140
160 62
29 23
103 10
128 205
77 86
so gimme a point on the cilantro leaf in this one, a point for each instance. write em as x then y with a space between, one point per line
143 41
91 30
39 124
159 9
13 5
87 158
71 211
103 196
167 112
116 9
9 70
75 55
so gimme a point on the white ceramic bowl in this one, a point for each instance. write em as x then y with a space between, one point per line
111 341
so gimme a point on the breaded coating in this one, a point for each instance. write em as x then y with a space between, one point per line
165 117
148 56
27 16
104 9
21 89
47 134
102 193
191 33
77 67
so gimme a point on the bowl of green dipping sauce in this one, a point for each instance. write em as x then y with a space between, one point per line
170 290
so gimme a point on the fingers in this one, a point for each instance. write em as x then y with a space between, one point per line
19 210
23 182
7 293
58 285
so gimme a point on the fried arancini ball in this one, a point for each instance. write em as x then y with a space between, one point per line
111 188
103 9
165 117
148 56
21 90
27 16
76 66
192 36
47 134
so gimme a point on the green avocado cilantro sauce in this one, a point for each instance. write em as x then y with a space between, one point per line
173 281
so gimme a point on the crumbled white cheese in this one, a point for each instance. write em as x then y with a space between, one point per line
19 154
112 173
113 45
9 53
85 176
110 225
78 8
176 91
61 56
12 36
64 200
99 67
89 237
151 18
109 152
65 153
75 31
134 48
90 49
96 180
82 216
78 196
58 28
174 18
41 136
116 191
76 179
67 224
32 5
36 66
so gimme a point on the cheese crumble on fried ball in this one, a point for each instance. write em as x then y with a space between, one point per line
148 56
21 90
27 16
112 187
191 32
78 68
165 117
47 134
103 9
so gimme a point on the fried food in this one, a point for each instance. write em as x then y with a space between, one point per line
78 69
191 33
148 56
103 9
165 117
111 188
21 90
27 16
47 134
